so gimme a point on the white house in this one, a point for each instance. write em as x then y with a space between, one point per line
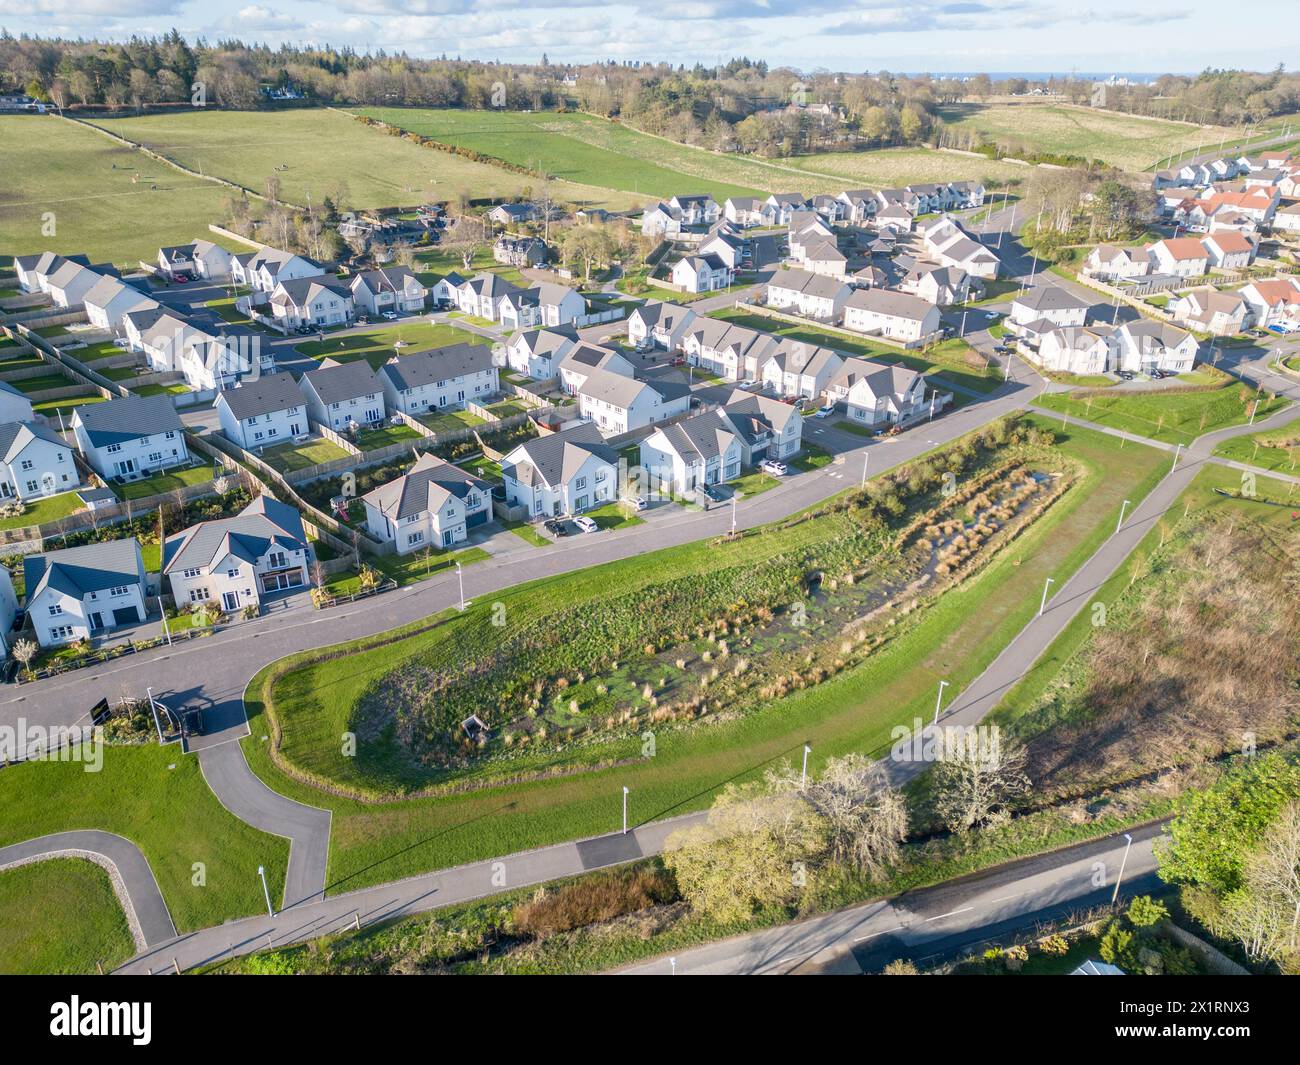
80 592
660 323
949 243
439 378
658 221
14 405
1207 310
34 462
1287 219
727 247
434 505
546 304
127 437
892 314
561 473
799 370
860 205
34 271
1229 250
1144 345
537 352
394 289
701 273
264 269
312 301
735 352
768 428
743 210
1273 300
940 285
577 364
780 206
481 294
1184 256
700 450
1108 262
808 294
618 404
234 562
1047 307
877 394
68 282
263 412
1075 350
343 394
109 300
697 210
211 261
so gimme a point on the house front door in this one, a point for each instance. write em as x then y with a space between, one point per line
230 601
126 467
96 620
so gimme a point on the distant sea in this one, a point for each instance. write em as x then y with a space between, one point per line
1045 75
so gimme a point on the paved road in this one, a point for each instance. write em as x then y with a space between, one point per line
931 923
134 882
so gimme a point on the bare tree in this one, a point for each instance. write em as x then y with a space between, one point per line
24 651
866 819
976 783
1265 914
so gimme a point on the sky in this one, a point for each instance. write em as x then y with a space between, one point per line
1094 36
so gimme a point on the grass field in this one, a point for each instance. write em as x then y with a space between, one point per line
75 897
40 511
1277 450
1127 141
377 345
247 147
288 457
955 639
1173 417
84 180
157 798
893 167
165 481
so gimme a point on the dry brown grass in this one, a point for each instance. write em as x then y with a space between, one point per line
592 900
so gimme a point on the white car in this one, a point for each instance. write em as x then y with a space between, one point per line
636 502
824 412
585 524
776 469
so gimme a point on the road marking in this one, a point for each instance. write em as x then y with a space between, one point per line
954 913
1004 898
863 939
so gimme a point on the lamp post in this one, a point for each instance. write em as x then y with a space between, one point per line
733 515
1177 451
1123 861
460 580
266 892
625 809
866 455
803 776
153 708
1046 587
1123 507
938 702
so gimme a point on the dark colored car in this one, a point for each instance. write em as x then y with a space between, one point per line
556 527
715 493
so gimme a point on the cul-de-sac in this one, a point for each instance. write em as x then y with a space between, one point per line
536 496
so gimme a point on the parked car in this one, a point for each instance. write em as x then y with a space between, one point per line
636 502
824 412
556 526
304 330
390 316
713 492
776 469
586 524
180 279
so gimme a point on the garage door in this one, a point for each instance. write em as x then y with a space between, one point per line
125 615
478 519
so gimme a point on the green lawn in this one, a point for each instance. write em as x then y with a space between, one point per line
1171 416
377 345
445 421
484 467
20 359
164 481
52 408
753 482
157 798
160 390
1276 450
527 532
86 180
894 167
811 457
43 383
39 511
614 516
954 639
317 152
407 569
289 456
61 917
104 349
373 439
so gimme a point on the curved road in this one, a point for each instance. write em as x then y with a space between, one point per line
133 879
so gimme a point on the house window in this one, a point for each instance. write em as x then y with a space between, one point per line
55 610
232 573
120 590
169 435
28 464
415 538
199 595
580 484
61 632
194 571
113 449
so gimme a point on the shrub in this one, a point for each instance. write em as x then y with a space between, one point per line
592 899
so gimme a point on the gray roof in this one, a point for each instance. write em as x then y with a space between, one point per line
886 301
430 482
303 289
266 395
335 382
546 340
127 418
553 459
248 536
807 282
14 436
77 571
436 364
771 412
702 436
1051 298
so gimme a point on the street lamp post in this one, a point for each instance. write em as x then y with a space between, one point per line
460 580
803 776
153 707
733 515
865 456
266 892
1046 586
1177 451
1123 861
962 331
938 702
1123 507
625 809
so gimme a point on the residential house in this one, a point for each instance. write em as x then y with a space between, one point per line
34 271
209 355
743 211
537 352
481 294
547 304
860 205
768 428
732 351
874 393
940 285
34 462
80 592
1273 301
1112 262
519 251
700 450
658 221
211 261
798 370
1077 350
808 294
830 208
582 360
698 210
341 395
949 243
312 301
14 405
1287 219
263 270
560 473
780 206
660 323
68 282
109 300
1183 256
1207 310
129 437
433 505
968 194
394 288
825 258
701 273
1143 346
439 379
896 315
1229 250
234 562
513 214
177 259
894 217
444 291
726 246
618 404
1039 310
263 412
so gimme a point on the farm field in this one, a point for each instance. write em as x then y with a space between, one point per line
247 147
595 151
1128 141
954 638
893 167
1174 416
73 895
85 180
